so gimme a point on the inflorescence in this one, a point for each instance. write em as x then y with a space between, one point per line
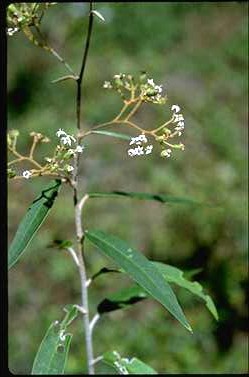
58 165
135 92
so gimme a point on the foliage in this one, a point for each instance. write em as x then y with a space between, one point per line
216 166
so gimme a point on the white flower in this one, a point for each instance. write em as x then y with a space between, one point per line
178 118
179 126
60 132
107 85
134 140
151 82
121 75
79 149
148 149
69 168
27 174
131 152
159 88
48 159
137 140
139 150
66 140
166 153
175 108
142 138
12 30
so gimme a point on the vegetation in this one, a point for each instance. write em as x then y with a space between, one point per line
198 53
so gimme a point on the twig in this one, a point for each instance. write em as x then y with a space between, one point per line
94 321
163 125
99 358
74 255
133 111
33 148
46 46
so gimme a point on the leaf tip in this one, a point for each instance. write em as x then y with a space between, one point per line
189 328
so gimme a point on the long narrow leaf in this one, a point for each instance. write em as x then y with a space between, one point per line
52 354
126 366
139 268
133 294
143 196
32 221
176 276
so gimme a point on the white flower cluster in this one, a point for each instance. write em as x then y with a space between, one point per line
139 150
107 85
119 82
158 88
178 118
152 92
67 140
12 30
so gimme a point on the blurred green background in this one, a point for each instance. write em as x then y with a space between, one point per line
198 51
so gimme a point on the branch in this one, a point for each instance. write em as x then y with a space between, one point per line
74 255
79 205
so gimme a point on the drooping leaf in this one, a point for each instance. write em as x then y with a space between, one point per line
176 276
139 268
126 366
32 221
143 196
112 134
133 294
121 299
52 354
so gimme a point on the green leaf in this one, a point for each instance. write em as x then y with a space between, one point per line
139 268
143 196
71 314
121 299
112 134
131 295
32 220
125 365
52 354
176 276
